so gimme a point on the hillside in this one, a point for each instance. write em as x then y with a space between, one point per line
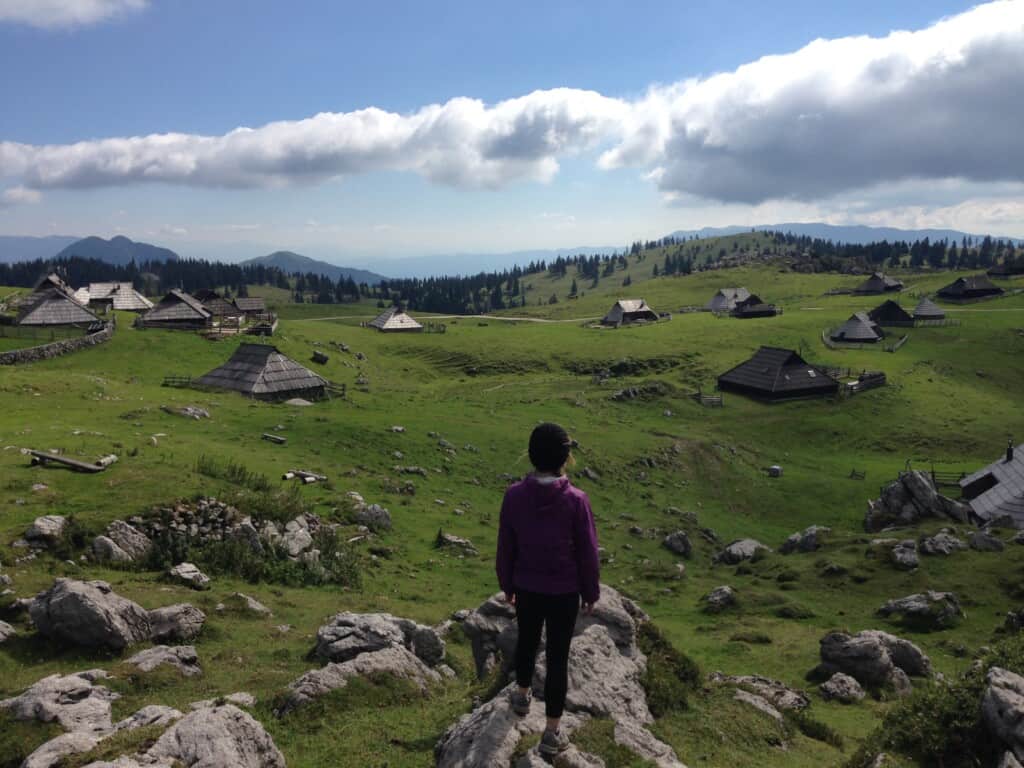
15 248
117 250
857 234
290 262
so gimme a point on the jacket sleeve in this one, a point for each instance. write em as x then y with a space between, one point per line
587 561
506 557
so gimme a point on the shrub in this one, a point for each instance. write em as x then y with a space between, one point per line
232 472
670 675
73 539
754 638
813 729
19 739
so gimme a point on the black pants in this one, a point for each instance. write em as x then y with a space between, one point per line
558 612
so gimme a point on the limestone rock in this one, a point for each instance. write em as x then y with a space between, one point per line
678 543
349 634
46 529
105 550
89 613
250 605
239 699
189 575
74 701
874 659
739 550
451 541
926 610
719 598
942 543
176 623
394 659
53 752
842 688
807 540
571 758
129 540
218 737
181 657
641 741
374 516
758 703
909 499
776 693
153 714
904 555
983 541
1008 760
296 540
1002 708
6 632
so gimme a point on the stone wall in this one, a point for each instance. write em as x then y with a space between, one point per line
56 348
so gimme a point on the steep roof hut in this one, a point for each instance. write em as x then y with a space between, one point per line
726 299
262 372
998 490
859 329
879 283
927 309
53 280
178 310
890 313
970 288
629 311
51 306
120 296
777 374
251 305
752 307
216 304
395 319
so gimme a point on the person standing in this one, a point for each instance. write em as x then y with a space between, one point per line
547 565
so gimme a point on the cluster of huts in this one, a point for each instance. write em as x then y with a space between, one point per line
867 327
207 309
741 303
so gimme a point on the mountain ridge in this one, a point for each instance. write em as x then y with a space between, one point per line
118 250
289 261
856 234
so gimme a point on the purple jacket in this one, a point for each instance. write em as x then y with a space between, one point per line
547 541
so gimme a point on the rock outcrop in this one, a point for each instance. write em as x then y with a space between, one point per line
739 550
874 659
123 543
217 737
943 543
808 540
89 613
842 688
179 623
348 635
904 555
678 543
46 530
1002 708
75 702
908 500
189 575
925 610
182 658
776 693
719 598
53 752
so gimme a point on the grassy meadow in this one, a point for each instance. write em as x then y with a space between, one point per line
953 399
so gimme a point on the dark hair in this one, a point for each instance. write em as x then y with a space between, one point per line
549 447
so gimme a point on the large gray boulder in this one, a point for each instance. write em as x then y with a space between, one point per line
46 530
943 543
218 737
348 635
189 575
904 555
52 753
1002 708
875 659
75 702
925 610
179 623
719 598
909 499
808 540
776 693
394 660
678 543
182 658
129 540
739 550
842 688
106 550
89 613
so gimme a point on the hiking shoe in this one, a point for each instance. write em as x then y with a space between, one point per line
521 702
553 742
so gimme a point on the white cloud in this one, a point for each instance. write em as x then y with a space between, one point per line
173 231
19 196
65 13
943 104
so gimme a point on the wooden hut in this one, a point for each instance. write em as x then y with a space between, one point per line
119 296
395 320
217 305
52 304
625 311
970 288
178 310
253 307
726 299
997 491
927 309
859 329
777 374
752 307
879 283
262 372
890 313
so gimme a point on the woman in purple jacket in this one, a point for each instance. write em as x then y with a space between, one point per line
547 563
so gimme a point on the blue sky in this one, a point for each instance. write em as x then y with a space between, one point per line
630 135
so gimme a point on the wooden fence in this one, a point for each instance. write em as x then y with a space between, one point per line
895 347
180 382
708 401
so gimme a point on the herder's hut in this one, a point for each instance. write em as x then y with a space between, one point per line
178 310
253 307
927 309
262 372
626 311
777 374
997 491
890 313
726 299
216 304
119 296
395 319
970 289
1005 271
752 306
879 283
859 329
52 303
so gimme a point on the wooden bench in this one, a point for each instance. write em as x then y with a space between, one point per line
43 458
857 475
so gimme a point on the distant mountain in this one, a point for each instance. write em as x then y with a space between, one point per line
289 262
855 234
15 248
117 250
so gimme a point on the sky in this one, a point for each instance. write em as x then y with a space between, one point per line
360 132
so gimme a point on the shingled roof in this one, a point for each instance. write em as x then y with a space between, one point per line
251 304
628 310
927 309
970 287
998 489
122 296
261 371
879 283
726 299
774 373
52 306
858 329
216 304
889 312
178 306
395 319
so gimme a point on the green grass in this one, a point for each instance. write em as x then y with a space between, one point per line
953 399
